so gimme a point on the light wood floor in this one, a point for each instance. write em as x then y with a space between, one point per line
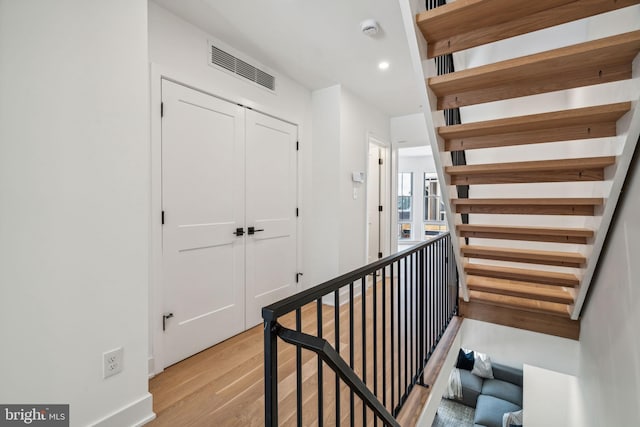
223 385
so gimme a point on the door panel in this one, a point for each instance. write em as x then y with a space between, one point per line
271 171
202 196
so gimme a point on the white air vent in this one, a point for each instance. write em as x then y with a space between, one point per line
229 62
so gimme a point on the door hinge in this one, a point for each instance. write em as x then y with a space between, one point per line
380 161
297 145
379 254
162 218
298 277
297 212
162 109
380 208
164 320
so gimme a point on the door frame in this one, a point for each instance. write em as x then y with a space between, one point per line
385 197
156 360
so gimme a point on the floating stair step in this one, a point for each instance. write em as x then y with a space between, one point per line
568 125
515 288
562 170
599 61
536 234
529 256
555 206
465 24
521 274
526 304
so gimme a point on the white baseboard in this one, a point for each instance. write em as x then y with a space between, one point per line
135 414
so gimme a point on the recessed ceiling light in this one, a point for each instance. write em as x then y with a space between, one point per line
383 65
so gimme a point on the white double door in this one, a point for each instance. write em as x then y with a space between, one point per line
225 169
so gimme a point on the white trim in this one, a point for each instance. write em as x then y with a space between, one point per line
431 115
137 413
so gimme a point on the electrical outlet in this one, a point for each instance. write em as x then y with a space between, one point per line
112 362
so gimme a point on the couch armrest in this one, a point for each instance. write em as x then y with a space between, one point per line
507 373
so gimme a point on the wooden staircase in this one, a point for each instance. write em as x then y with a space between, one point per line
516 268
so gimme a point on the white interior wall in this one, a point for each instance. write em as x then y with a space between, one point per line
326 180
409 130
358 121
515 347
74 203
610 367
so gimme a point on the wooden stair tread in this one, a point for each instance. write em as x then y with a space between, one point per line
544 234
566 259
521 303
584 232
521 289
465 24
541 201
522 274
535 206
594 62
560 170
533 166
567 125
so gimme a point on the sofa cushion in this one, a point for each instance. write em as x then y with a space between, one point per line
465 360
503 390
507 373
471 388
489 410
482 366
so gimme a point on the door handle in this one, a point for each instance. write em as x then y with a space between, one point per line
165 317
252 230
239 232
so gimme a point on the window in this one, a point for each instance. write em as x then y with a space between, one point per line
405 204
434 213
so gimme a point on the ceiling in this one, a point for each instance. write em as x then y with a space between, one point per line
317 43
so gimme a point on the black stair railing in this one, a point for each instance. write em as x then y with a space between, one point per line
358 344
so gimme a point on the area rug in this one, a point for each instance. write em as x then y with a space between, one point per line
453 414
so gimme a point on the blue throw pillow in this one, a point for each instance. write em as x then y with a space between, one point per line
465 360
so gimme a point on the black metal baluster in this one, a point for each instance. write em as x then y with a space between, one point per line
443 288
441 281
406 329
433 298
392 342
421 311
351 351
270 374
336 322
320 369
375 339
363 293
384 337
299 370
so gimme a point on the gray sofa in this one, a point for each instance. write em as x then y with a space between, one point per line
492 398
